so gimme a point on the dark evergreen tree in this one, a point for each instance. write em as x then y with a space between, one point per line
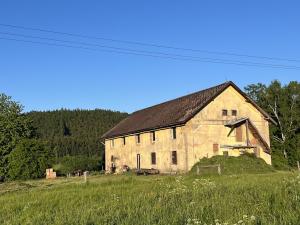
75 132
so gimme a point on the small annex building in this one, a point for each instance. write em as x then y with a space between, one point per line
174 135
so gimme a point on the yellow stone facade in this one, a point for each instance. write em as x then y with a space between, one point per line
203 136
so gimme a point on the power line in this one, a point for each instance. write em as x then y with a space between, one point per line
154 56
150 44
146 52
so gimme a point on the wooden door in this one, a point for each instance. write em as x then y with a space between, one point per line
138 161
239 134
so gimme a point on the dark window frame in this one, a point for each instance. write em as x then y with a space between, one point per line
153 158
174 133
224 112
234 112
153 138
138 138
174 157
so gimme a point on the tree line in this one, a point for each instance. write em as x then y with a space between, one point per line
282 102
67 140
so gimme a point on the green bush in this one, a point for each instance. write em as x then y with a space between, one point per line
70 164
29 160
279 162
246 163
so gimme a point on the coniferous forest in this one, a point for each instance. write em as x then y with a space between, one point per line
74 132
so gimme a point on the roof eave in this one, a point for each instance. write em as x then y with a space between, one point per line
143 130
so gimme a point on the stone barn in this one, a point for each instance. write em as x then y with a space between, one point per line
174 135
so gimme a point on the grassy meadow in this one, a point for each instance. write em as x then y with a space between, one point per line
270 198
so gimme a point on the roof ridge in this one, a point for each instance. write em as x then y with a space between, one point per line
193 93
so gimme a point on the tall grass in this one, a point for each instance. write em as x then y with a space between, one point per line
272 198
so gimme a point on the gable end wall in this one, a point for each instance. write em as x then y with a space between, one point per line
207 129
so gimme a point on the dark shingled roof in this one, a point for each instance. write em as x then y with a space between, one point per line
171 113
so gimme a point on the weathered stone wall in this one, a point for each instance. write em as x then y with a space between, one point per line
207 127
194 141
163 146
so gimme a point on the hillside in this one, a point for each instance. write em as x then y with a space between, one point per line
74 132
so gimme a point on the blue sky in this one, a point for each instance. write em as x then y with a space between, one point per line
45 77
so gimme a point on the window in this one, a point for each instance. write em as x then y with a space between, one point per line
225 153
153 136
153 158
138 138
174 157
233 112
124 141
112 143
215 148
224 112
174 135
112 158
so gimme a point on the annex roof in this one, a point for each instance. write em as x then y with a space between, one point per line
237 122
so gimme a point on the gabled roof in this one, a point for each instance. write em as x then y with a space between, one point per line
172 113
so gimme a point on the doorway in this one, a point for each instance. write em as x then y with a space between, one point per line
138 161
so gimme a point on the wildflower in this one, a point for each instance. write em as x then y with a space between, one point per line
252 218
193 221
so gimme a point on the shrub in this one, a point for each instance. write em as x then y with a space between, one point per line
70 164
29 160
279 162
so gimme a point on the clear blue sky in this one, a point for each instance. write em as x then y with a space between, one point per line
46 77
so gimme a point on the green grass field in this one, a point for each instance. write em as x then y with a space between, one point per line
270 198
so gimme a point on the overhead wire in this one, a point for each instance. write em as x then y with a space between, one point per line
150 44
148 52
148 55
